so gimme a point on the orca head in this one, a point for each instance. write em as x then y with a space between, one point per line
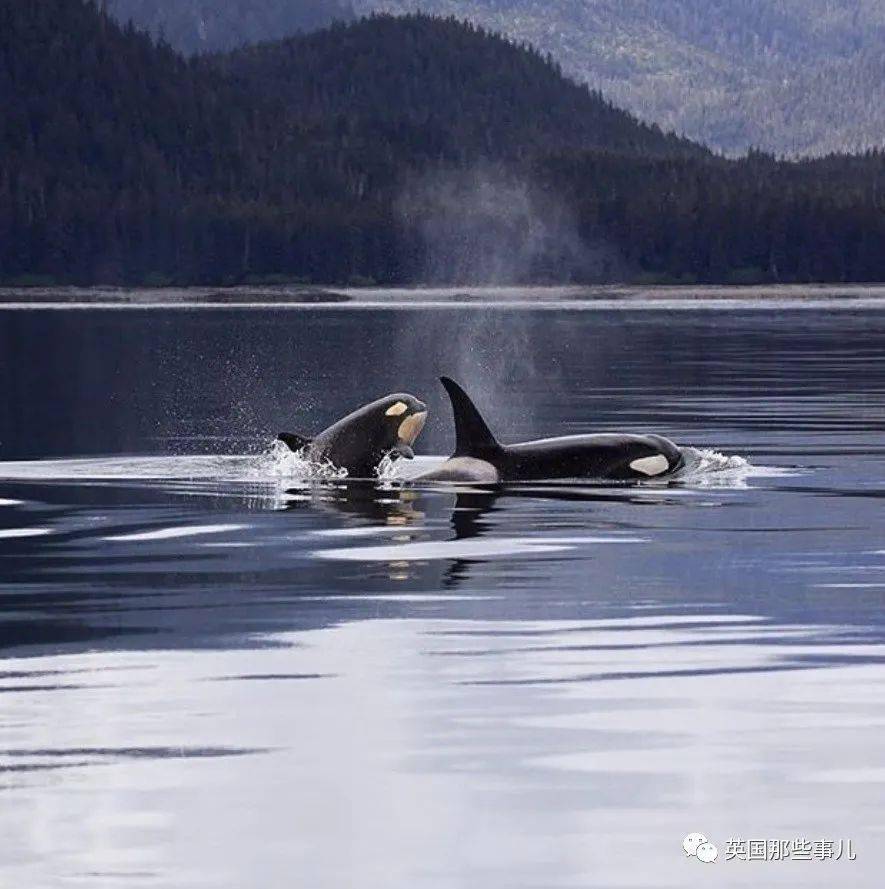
358 442
404 417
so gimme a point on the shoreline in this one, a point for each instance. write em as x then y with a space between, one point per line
576 297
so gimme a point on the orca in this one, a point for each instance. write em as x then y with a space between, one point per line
361 440
479 457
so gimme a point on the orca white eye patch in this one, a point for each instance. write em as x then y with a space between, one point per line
651 465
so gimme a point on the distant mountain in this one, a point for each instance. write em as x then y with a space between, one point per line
208 25
391 149
794 77
439 90
785 76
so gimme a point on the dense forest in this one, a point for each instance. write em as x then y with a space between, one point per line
794 77
210 25
389 150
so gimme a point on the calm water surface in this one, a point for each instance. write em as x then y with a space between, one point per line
218 673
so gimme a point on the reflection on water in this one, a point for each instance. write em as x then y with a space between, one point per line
217 672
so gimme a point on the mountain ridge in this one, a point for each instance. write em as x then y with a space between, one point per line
456 85
790 77
794 77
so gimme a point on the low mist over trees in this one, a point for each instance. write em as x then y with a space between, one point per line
390 150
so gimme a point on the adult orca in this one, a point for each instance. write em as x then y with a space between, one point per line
479 457
359 441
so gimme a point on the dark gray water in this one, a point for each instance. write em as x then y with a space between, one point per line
216 673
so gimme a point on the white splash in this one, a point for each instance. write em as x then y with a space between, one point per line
279 461
707 468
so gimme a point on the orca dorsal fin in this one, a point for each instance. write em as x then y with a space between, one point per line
294 441
472 436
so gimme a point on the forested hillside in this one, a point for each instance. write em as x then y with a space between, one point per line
393 150
207 25
785 76
436 89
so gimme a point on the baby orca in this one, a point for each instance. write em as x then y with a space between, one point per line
361 440
479 457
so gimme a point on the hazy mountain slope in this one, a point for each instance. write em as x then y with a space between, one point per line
440 90
208 25
787 76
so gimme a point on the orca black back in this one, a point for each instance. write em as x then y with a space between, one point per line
480 457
